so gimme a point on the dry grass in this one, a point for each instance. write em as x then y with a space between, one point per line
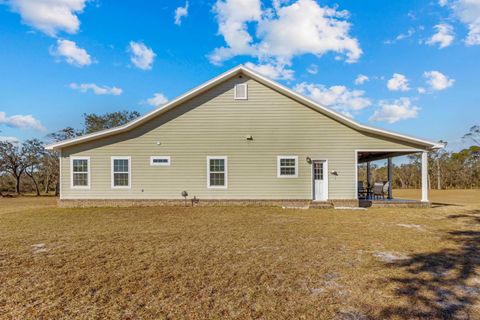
234 262
439 197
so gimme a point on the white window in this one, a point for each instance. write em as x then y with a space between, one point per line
80 172
121 172
287 166
159 160
217 172
241 91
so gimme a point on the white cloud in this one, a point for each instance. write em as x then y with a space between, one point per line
339 98
283 31
13 140
306 27
444 36
393 111
103 90
398 82
272 70
361 79
181 12
73 54
468 12
437 80
409 34
50 16
157 100
141 55
232 18
421 90
312 69
21 122
402 36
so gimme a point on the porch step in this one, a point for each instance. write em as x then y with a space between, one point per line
321 205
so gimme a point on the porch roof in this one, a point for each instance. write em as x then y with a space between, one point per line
367 156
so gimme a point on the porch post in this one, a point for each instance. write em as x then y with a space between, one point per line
368 174
390 178
424 176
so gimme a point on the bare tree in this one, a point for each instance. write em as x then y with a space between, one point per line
64 134
13 161
34 153
473 134
49 170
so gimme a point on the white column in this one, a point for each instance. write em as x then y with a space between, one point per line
424 176
390 179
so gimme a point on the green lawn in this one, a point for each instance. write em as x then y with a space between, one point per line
240 262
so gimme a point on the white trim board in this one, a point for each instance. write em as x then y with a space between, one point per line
60 175
256 76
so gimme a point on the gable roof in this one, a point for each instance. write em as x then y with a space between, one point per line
256 76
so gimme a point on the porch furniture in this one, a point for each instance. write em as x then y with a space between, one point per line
362 192
378 190
386 186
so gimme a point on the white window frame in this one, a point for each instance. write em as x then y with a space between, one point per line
225 171
162 158
129 172
287 176
88 172
235 91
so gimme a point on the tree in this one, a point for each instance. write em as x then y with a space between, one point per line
473 135
2 170
64 134
50 170
94 123
13 161
436 161
34 153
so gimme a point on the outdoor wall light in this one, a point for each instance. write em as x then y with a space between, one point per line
334 172
158 143
309 160
249 138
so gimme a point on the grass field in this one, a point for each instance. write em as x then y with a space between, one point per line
239 262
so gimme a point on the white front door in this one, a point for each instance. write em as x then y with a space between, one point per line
320 180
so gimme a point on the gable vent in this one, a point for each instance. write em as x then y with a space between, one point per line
241 91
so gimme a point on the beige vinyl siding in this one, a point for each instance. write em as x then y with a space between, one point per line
215 124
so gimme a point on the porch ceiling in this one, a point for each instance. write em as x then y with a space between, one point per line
366 156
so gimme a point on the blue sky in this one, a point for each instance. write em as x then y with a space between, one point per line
419 60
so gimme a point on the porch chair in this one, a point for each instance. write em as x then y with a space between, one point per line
378 190
362 192
386 186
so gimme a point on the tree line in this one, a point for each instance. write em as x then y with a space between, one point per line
27 167
446 170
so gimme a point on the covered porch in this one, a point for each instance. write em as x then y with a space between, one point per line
372 193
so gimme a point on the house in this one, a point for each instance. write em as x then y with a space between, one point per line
238 137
